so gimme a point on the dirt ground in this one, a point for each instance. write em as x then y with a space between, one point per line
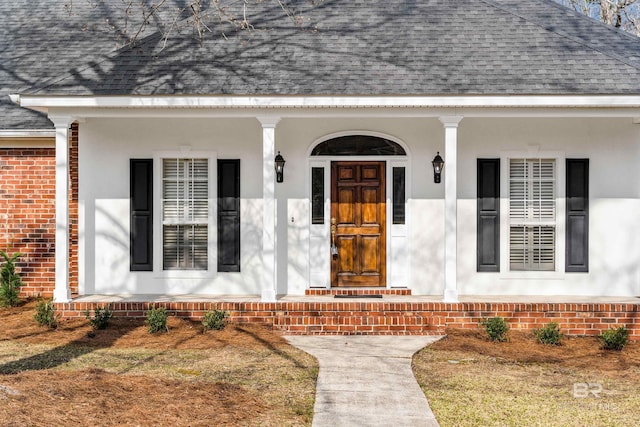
471 381
125 376
574 352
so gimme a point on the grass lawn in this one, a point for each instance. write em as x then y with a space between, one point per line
243 375
470 381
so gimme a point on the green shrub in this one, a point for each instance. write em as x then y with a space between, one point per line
157 320
496 328
10 281
214 320
548 334
615 338
46 314
101 317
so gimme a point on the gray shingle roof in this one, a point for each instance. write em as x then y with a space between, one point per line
353 47
40 39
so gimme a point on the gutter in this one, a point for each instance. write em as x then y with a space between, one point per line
27 133
313 102
222 106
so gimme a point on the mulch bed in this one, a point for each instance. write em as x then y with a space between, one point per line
45 397
574 352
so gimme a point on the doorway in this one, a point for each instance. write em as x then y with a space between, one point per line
358 224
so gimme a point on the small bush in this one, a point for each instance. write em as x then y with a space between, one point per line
10 281
157 320
496 328
46 314
101 317
214 320
615 338
548 334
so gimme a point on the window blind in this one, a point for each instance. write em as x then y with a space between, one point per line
532 214
185 212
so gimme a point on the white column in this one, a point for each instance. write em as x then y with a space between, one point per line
61 292
450 207
269 244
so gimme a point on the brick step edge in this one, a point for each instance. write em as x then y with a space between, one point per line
357 291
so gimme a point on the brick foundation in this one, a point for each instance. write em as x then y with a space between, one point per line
391 318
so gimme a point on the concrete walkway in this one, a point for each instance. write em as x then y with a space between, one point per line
367 380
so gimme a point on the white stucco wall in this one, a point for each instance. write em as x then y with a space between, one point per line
612 146
106 145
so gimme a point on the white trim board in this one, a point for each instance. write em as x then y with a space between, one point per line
212 101
28 138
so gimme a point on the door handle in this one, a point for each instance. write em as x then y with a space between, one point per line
334 248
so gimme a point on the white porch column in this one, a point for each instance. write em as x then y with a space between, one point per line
269 278
61 292
450 206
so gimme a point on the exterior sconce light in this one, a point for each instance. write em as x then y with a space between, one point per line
438 165
279 164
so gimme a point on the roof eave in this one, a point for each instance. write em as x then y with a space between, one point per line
44 103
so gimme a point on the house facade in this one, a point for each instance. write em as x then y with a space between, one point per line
176 184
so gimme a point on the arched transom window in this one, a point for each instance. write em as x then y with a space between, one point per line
358 145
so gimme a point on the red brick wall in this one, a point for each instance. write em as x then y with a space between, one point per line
27 213
73 209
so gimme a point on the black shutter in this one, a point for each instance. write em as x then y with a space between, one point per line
141 190
577 242
229 215
488 215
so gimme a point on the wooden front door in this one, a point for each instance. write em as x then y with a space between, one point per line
359 213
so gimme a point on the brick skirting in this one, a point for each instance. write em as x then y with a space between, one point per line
390 318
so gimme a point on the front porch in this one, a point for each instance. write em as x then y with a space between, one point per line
255 237
390 313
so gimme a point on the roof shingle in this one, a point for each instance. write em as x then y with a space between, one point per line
351 47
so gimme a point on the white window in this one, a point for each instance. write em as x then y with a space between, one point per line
185 214
532 214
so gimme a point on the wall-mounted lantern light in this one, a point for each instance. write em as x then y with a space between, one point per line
438 165
279 164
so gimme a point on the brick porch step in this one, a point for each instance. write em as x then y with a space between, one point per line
380 317
357 291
